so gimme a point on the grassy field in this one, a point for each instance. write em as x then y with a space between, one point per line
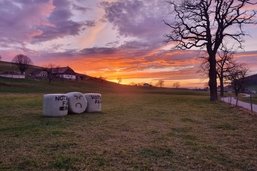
139 129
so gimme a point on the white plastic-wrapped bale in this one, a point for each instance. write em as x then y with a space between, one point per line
77 102
94 102
55 105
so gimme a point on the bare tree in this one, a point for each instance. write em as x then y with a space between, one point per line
206 24
237 77
160 83
50 73
23 62
119 80
102 79
176 85
225 63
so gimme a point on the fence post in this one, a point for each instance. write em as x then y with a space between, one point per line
251 102
236 100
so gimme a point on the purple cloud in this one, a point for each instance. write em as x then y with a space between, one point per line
137 18
38 20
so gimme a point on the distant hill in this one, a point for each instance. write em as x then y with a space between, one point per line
59 85
251 81
9 66
31 84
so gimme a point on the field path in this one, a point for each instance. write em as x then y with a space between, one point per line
232 101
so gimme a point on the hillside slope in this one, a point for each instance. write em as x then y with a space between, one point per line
9 66
251 81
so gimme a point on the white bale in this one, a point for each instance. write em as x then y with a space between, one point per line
77 102
94 102
55 105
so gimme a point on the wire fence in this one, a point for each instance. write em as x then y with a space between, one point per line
247 101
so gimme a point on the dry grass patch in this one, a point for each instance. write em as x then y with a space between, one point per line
145 131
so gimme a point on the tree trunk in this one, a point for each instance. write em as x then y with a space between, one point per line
221 86
213 78
236 92
236 100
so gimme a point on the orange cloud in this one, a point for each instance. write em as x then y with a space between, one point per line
139 66
132 66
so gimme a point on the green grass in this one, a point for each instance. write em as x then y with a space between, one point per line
139 129
6 66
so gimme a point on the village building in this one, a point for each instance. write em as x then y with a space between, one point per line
64 73
39 74
147 85
12 74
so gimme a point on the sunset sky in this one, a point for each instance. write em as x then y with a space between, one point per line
108 38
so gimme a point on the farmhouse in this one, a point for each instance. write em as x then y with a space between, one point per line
64 72
147 85
58 72
38 74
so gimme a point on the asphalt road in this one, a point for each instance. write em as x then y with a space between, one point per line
232 101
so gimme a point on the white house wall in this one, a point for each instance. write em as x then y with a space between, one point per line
69 77
12 76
